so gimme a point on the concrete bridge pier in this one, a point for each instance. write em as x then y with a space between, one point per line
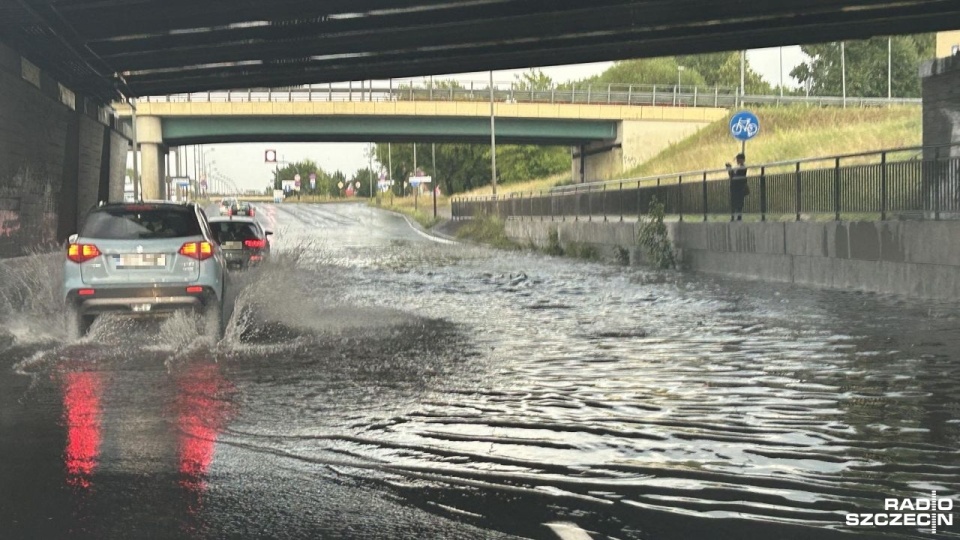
153 157
636 142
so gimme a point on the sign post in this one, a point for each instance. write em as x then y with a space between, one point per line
744 126
415 182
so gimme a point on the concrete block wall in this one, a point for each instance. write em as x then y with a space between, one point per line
941 103
56 161
919 259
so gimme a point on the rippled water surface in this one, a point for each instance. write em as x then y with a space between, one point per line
376 383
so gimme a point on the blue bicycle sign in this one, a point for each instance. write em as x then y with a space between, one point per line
744 126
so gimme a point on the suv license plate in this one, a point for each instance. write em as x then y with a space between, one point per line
144 260
142 308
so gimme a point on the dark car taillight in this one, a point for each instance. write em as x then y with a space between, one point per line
197 250
81 253
255 243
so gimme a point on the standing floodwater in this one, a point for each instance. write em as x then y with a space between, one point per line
376 383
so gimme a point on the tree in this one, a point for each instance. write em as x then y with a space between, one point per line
714 69
534 79
462 167
333 188
866 66
303 168
723 69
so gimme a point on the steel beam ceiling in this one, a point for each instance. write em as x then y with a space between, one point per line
106 48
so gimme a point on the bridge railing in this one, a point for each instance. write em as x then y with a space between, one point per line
904 183
608 94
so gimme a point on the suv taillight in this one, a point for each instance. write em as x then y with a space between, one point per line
255 243
81 253
197 250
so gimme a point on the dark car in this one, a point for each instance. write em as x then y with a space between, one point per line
244 241
241 208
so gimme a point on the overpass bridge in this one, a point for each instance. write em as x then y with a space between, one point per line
610 127
605 134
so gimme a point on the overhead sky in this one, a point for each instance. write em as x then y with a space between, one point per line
244 164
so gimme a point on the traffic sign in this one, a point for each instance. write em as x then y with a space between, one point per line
744 126
417 180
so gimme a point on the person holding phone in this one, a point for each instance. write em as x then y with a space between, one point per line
738 187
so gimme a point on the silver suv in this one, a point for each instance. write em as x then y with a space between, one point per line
144 259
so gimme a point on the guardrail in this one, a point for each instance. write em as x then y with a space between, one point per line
916 183
607 94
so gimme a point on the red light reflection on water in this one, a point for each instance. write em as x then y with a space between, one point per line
203 410
81 414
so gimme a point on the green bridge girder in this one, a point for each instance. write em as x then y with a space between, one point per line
212 129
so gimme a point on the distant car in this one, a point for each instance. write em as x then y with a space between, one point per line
244 241
144 259
226 205
243 208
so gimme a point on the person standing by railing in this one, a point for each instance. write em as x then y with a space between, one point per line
738 187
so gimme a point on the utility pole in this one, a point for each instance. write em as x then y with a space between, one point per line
889 67
843 72
743 74
416 189
390 163
493 142
436 181
781 72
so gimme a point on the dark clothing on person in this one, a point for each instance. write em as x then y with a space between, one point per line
738 189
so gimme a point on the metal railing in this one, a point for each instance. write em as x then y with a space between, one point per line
605 94
916 183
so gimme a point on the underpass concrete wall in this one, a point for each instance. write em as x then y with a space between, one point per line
637 141
916 259
57 157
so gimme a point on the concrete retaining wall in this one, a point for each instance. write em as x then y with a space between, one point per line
941 105
917 259
637 141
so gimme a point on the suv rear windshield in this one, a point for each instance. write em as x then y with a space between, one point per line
139 222
234 231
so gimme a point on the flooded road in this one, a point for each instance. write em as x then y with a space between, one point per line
377 383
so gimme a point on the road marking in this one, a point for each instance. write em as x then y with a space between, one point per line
568 531
427 236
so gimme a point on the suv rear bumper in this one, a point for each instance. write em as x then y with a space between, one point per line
139 300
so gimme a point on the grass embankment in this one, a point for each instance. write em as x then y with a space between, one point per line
790 133
787 133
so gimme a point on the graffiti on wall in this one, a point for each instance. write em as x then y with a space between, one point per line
28 211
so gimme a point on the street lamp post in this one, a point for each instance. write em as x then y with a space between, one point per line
493 142
843 72
676 94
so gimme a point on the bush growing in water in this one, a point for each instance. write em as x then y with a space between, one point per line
489 230
553 243
654 240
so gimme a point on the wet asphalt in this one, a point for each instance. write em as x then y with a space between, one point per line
375 382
